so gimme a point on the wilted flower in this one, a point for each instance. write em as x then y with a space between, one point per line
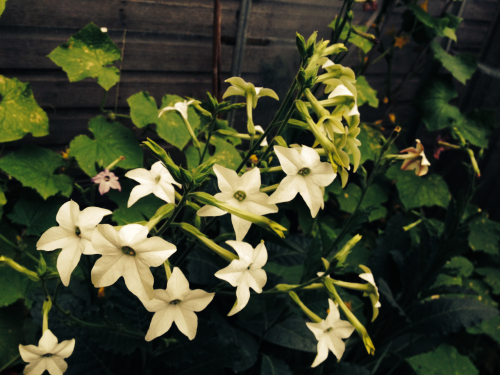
306 174
240 192
369 5
128 253
374 296
245 273
158 181
48 355
329 333
415 159
106 180
439 148
73 236
176 304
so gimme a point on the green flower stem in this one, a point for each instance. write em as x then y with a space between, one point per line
103 102
281 128
32 275
168 271
368 288
449 145
177 209
269 189
376 167
197 235
412 225
8 242
196 143
274 121
271 170
47 305
332 293
305 309
210 131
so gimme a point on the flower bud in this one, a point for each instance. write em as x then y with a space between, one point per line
33 276
305 309
161 154
162 213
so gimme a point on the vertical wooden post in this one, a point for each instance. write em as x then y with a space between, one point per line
216 55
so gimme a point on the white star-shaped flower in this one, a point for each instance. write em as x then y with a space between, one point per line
176 304
329 333
245 273
240 192
48 355
73 236
128 253
306 174
181 107
374 297
158 181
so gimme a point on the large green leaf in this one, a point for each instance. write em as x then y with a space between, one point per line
141 210
364 44
225 154
462 66
36 214
34 167
366 94
111 140
491 277
14 285
370 145
444 360
484 235
292 333
11 332
273 366
291 274
489 327
447 315
19 111
444 26
376 195
433 102
89 53
170 126
476 126
414 191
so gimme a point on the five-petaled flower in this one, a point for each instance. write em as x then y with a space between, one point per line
329 333
415 159
48 355
306 174
240 192
245 273
106 180
181 107
73 236
374 296
158 181
176 304
128 253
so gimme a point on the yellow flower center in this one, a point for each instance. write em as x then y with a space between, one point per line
240 195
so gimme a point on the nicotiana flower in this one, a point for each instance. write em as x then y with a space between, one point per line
181 107
306 174
415 159
176 304
374 297
158 181
329 333
106 180
48 355
73 236
245 273
240 192
259 129
128 253
251 93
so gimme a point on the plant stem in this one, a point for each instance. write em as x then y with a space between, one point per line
178 208
210 130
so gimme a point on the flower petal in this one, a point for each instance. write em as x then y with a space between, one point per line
334 314
56 365
36 367
154 251
259 256
313 196
249 181
256 279
334 343
227 179
133 234
55 238
48 342
161 322
232 273
156 304
108 269
164 191
177 285
104 187
241 227
197 300
138 192
242 298
289 159
258 204
322 352
286 191
210 211
65 348
68 259
141 175
138 278
268 92
322 174
67 215
88 220
87 247
106 240
186 321
309 157
317 329
343 329
30 353
232 91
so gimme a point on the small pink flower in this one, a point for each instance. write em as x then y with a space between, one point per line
415 159
369 5
439 148
106 180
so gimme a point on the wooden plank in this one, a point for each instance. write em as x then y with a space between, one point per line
27 48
